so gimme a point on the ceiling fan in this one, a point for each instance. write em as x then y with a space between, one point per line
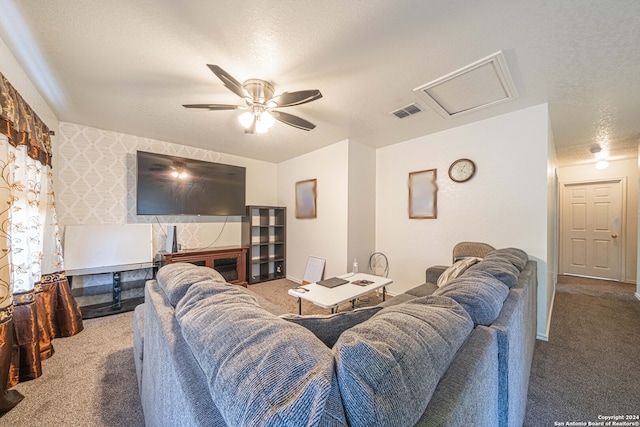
260 103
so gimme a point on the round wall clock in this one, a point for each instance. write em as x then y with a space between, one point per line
462 170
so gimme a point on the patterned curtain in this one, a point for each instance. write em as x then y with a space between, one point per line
36 305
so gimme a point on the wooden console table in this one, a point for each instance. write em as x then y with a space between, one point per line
229 261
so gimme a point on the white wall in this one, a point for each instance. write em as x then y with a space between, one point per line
361 227
505 204
324 236
546 296
628 170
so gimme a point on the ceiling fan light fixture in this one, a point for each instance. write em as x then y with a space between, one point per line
259 115
264 122
246 119
267 119
261 128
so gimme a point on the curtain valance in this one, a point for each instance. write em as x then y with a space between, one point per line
21 125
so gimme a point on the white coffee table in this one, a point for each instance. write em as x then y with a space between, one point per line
332 297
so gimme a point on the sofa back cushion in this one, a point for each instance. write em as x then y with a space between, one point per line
389 365
479 293
176 278
260 369
499 268
515 256
328 328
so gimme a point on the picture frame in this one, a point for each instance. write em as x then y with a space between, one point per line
423 194
306 199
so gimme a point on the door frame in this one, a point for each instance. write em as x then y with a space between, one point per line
623 226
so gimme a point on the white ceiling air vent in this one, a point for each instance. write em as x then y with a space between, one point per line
479 85
407 111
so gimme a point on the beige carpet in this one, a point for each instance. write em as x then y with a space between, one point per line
589 367
595 287
89 381
276 292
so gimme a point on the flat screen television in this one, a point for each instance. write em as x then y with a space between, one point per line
169 185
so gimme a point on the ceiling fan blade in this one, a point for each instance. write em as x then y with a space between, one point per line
291 120
288 99
213 106
232 84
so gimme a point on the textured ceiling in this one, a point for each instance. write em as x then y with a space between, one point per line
129 65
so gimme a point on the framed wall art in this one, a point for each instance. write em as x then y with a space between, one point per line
423 194
306 198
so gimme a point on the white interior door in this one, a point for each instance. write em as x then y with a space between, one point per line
592 229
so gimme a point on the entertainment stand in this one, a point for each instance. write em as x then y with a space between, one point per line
229 261
117 304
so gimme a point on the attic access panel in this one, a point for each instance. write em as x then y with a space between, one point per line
479 85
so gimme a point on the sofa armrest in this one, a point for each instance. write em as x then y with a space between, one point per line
467 393
434 272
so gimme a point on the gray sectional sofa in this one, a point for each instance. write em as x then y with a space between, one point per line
212 354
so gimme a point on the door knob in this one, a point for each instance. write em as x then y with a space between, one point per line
614 235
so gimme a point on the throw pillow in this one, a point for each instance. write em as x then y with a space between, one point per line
515 256
261 369
501 269
389 366
329 328
456 270
176 278
479 293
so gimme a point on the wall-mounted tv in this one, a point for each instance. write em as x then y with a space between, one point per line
169 185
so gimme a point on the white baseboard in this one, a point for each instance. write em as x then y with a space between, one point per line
294 279
637 296
542 337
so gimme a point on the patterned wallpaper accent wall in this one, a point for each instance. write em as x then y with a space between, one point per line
95 177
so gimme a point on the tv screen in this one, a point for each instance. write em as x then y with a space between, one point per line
169 185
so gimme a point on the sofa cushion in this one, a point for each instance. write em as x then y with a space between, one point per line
479 293
389 366
176 278
398 299
260 369
515 256
432 273
328 328
423 290
501 269
456 270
